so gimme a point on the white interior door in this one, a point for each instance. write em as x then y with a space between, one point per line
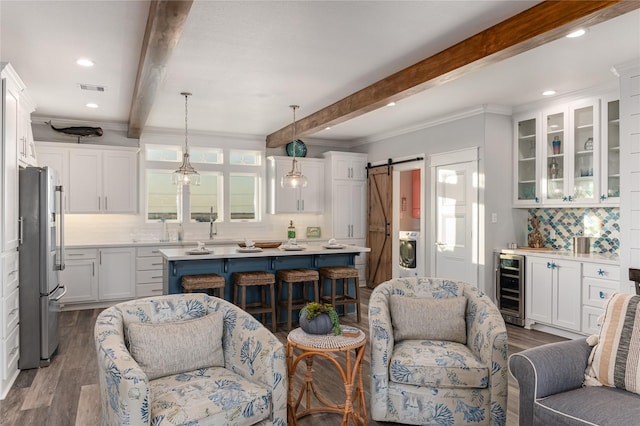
455 234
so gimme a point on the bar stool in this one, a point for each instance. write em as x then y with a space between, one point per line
213 282
291 277
343 273
242 280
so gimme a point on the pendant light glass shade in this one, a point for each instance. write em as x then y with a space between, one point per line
186 174
294 179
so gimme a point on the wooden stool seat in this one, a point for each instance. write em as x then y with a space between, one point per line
344 273
292 277
242 280
213 282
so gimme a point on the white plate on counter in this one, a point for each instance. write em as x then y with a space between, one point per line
292 248
199 251
334 246
249 249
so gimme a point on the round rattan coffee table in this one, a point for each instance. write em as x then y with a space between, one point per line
325 346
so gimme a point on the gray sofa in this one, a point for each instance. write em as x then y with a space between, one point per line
551 393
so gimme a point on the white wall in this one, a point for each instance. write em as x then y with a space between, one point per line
493 134
629 172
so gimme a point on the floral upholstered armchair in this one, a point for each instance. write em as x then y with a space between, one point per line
438 354
188 359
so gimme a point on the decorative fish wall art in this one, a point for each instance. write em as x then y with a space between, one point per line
78 131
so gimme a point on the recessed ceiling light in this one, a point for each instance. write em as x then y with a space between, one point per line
85 62
328 128
576 33
548 93
390 104
92 105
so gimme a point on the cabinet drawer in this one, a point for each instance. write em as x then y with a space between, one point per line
10 267
151 263
10 353
146 277
153 251
590 317
598 270
146 290
78 254
595 291
11 313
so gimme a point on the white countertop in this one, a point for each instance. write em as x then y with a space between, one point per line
189 243
608 258
226 252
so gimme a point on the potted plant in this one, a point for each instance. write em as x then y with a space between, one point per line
319 318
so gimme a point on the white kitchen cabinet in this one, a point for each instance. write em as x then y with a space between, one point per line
149 271
571 143
9 321
57 159
346 195
347 166
96 180
308 200
26 145
80 276
568 155
553 292
11 94
526 167
610 173
116 274
599 281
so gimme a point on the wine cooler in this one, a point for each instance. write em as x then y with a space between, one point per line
510 287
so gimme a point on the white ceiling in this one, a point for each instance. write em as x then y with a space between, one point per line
246 61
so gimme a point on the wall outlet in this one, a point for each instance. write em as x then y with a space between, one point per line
494 217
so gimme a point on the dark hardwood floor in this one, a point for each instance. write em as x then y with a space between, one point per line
67 392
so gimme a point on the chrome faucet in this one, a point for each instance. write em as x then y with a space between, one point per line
213 229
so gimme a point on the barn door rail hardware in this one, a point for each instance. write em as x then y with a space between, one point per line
390 163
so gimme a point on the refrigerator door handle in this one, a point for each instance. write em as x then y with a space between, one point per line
62 295
20 230
60 191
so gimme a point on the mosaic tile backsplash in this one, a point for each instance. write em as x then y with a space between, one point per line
602 224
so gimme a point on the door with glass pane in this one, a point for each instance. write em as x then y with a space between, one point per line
586 152
610 182
555 162
526 169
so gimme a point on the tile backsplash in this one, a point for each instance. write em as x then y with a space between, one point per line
600 223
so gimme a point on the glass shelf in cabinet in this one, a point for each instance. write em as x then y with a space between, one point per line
527 159
585 126
587 152
614 148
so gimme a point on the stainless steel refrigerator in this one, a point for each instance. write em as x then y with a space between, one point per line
41 258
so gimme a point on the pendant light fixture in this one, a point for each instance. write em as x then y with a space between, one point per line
295 178
186 174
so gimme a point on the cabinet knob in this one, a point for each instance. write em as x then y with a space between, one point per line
564 198
602 295
537 200
601 272
570 198
603 197
548 265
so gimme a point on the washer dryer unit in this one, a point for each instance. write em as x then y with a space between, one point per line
409 263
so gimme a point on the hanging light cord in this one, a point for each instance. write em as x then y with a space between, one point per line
186 114
295 142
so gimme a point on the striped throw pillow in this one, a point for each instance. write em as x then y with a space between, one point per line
615 360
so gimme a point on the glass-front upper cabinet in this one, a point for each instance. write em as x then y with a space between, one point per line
554 148
526 172
586 152
610 187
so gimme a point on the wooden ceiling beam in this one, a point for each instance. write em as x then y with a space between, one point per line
534 27
163 30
